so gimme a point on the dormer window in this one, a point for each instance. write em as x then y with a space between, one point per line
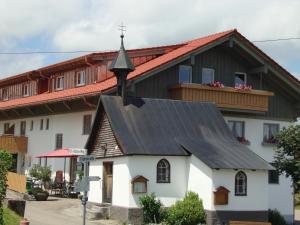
80 78
185 74
25 90
4 94
59 83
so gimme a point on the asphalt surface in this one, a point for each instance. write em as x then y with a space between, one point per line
58 211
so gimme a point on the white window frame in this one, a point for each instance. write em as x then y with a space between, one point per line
25 87
191 75
6 97
210 69
59 80
81 74
240 73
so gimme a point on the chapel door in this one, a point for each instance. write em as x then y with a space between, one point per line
107 182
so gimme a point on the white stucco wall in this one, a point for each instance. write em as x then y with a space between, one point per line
42 141
280 196
200 181
257 190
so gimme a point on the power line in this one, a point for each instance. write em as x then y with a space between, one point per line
91 51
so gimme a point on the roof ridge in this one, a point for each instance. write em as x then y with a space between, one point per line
221 33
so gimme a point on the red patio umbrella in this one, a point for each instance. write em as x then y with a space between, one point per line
59 153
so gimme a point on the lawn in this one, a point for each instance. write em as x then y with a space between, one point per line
11 218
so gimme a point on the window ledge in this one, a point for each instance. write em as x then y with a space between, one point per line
80 85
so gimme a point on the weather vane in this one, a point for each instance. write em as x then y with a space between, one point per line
122 29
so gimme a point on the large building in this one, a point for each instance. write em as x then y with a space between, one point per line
53 107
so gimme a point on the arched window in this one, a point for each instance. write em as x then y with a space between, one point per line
240 184
163 171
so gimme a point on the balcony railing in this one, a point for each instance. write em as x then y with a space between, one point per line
14 144
223 97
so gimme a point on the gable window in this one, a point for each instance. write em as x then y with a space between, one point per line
31 125
58 141
208 75
80 78
185 74
23 128
163 171
87 124
25 90
42 124
240 184
273 176
47 124
59 83
240 79
4 94
270 132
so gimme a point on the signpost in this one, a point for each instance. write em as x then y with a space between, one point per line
84 184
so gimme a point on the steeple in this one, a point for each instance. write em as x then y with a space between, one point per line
121 67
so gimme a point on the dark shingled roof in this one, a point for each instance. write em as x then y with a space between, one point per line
169 127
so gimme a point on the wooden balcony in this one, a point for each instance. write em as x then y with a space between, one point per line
14 144
226 97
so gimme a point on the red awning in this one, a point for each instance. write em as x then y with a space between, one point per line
59 153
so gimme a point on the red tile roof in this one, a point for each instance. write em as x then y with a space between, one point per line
94 89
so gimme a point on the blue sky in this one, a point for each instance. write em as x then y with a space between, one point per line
71 25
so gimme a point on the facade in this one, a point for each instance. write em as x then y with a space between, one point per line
66 92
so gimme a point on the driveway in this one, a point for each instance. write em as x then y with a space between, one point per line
58 211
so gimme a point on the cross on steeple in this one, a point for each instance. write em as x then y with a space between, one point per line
122 29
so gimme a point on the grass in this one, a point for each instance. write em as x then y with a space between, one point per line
11 218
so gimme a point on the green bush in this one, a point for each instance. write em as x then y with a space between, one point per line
276 218
42 173
151 208
37 190
188 211
5 165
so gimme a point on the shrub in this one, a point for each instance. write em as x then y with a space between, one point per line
151 208
276 218
41 173
5 165
188 211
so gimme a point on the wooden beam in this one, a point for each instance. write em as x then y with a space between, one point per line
49 108
89 104
16 112
30 111
4 113
66 105
261 69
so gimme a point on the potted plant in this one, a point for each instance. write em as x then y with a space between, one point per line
40 194
42 174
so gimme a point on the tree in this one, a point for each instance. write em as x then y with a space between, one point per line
287 157
5 165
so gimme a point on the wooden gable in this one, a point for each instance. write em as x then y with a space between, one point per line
105 144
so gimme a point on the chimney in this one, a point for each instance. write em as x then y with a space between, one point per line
121 67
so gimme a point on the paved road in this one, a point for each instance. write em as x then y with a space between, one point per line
57 211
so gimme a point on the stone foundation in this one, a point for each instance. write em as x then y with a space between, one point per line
223 217
17 206
132 216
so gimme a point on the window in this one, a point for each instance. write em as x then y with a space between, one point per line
87 124
240 184
208 75
240 79
47 124
163 171
6 128
4 94
9 129
42 124
273 176
23 128
270 132
185 74
59 83
25 90
58 141
31 125
80 78
238 130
